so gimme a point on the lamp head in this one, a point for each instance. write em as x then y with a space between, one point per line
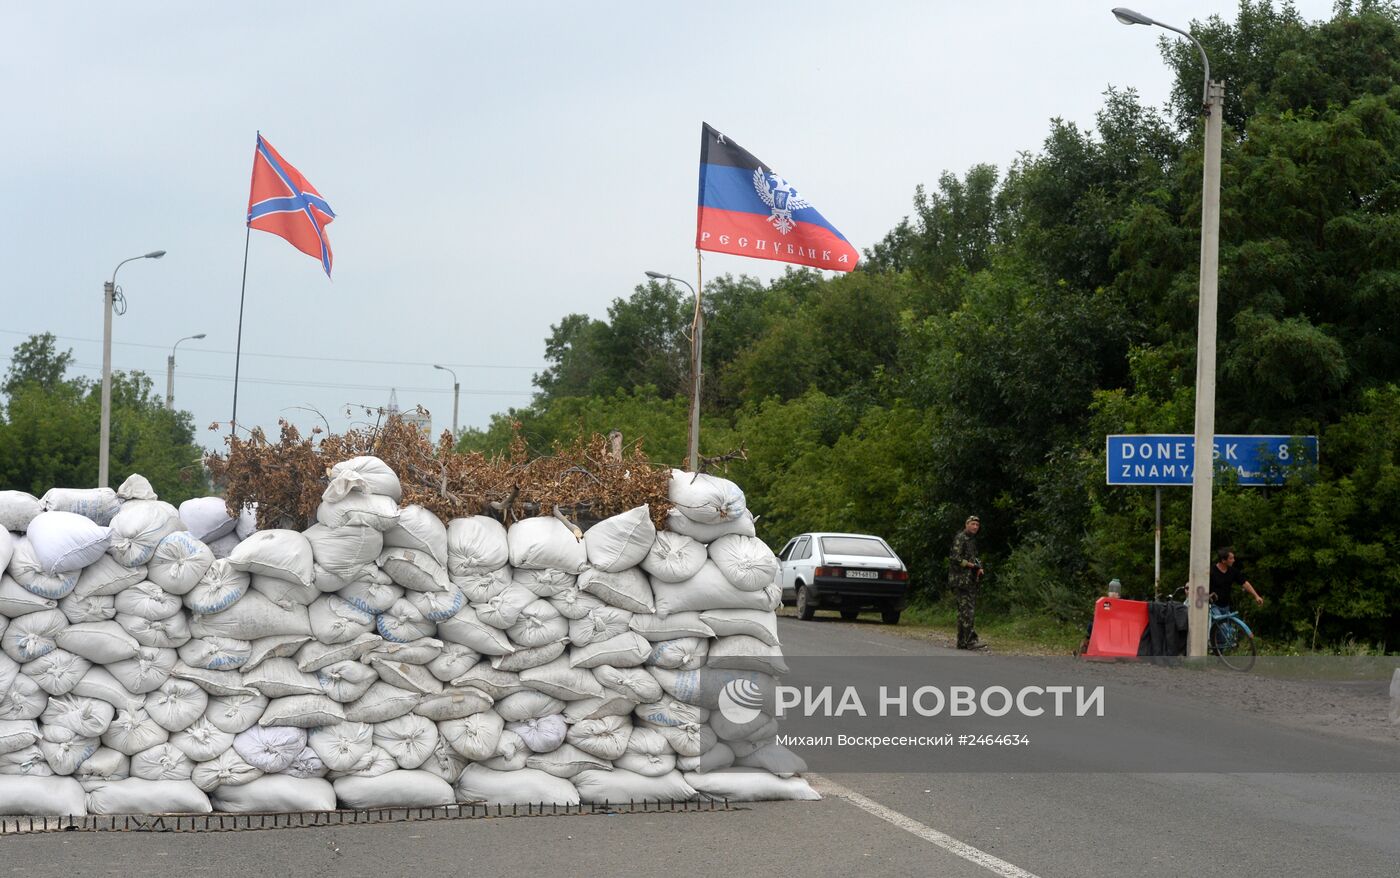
201 335
154 254
436 366
1128 16
656 275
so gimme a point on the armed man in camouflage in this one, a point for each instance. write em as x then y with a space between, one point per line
965 578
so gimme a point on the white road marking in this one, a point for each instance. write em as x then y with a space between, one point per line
927 833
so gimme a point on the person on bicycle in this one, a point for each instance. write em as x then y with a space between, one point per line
1225 574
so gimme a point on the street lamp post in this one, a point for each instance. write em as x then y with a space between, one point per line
109 295
170 372
696 340
456 393
1202 475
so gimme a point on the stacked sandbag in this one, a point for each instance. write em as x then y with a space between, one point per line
380 658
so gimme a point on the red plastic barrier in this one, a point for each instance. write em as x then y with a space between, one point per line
1118 626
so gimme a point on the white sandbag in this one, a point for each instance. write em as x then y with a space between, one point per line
18 734
227 769
203 741
414 570
99 683
345 552
454 661
218 589
148 601
372 594
573 604
600 623
10 670
674 557
253 616
136 487
415 652
283 593
28 762
504 608
750 785
671 627
105 764
494 682
7 549
679 523
671 712
284 554
619 785
743 653
474 737
687 739
359 510
626 589
235 713
706 590
280 677
621 541
419 529
16 600
546 583
274 646
405 675
346 681
36 634
97 608
177 704
381 703
373 764
648 754
467 629
162 762
396 789
541 734
683 653
334 620
98 504
521 706
402 623
444 762
541 542
139 528
222 547
773 759
528 657
302 712
83 716
537 624
437 605
307 764
410 739
207 518
164 634
26 569
476 545
106 576
605 737
65 542
314 655
705 498
565 761
528 786
247 521
478 588
275 792
215 682
63 752
270 748
625 650
343 745
215 653
179 562
362 475
42 796
147 671
636 683
760 624
562 681
746 562
17 509
23 700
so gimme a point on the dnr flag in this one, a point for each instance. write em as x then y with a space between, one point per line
284 203
748 209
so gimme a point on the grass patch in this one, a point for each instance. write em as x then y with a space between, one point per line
1030 634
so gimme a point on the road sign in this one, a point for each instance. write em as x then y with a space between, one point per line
1168 459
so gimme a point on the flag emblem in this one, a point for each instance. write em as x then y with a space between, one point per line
284 203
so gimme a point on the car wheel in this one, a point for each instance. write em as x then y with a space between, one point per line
850 615
805 608
890 617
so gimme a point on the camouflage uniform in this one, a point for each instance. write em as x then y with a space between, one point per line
964 583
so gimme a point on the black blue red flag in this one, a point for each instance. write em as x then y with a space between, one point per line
284 203
748 209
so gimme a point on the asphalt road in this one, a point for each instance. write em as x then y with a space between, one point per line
891 823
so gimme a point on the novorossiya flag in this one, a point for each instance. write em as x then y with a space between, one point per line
284 203
748 209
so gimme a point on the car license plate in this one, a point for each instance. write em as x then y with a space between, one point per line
862 574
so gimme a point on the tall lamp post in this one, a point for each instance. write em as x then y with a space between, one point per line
109 298
696 340
456 393
170 371
1202 470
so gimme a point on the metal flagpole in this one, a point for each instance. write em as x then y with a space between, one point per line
696 342
238 345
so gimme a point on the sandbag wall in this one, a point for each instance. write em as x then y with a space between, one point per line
158 660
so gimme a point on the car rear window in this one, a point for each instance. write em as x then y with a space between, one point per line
855 546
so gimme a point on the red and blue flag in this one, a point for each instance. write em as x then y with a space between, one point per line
748 209
284 203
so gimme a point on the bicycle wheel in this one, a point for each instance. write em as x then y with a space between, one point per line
1234 645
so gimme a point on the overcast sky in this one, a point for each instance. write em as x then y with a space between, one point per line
491 169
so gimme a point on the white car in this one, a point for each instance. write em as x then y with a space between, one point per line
846 572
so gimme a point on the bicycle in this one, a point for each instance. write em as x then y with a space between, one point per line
1229 637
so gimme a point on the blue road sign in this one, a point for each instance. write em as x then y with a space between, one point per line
1168 459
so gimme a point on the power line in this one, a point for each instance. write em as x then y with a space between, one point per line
134 344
